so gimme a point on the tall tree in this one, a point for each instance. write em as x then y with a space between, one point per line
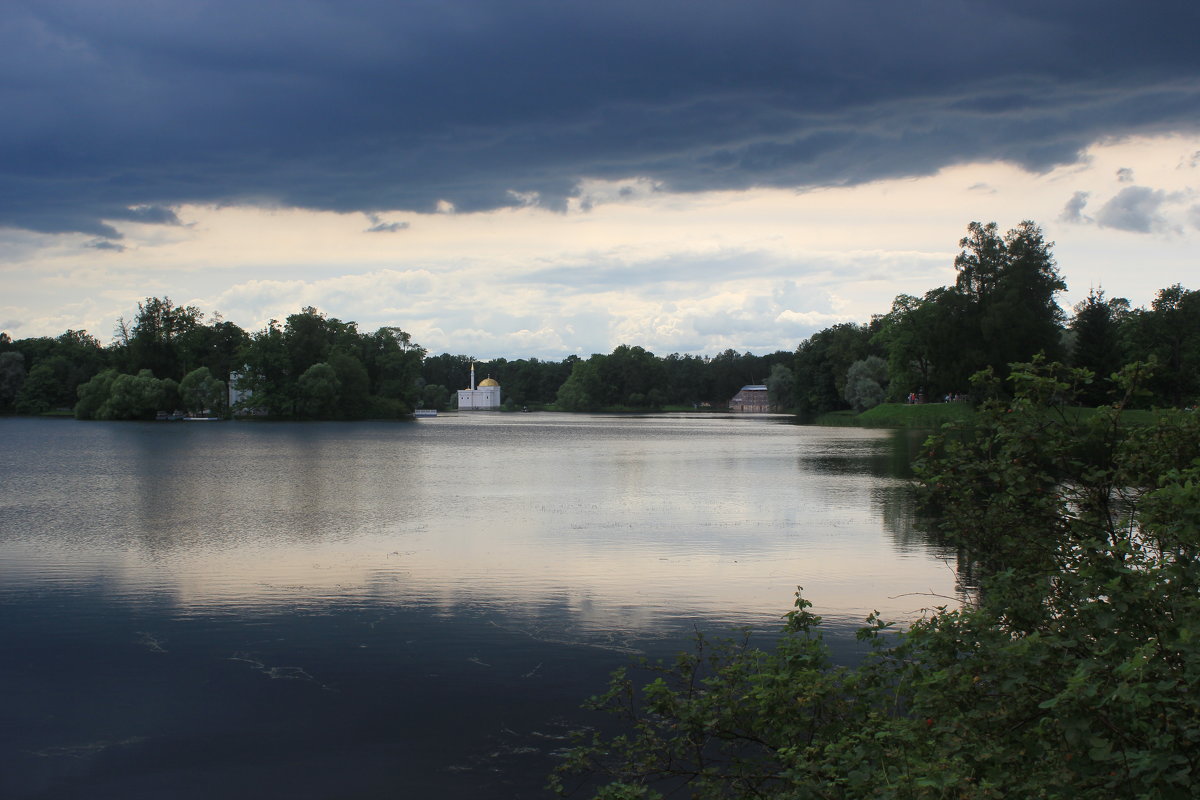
1170 331
1021 318
908 335
1099 344
153 341
1003 303
267 375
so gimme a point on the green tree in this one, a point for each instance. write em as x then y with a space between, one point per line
1170 332
138 396
153 341
1098 342
582 390
42 387
822 363
981 263
448 370
319 389
12 376
217 345
1022 318
781 387
199 391
62 363
628 375
394 366
354 386
94 394
1009 284
310 336
687 381
866 383
267 374
907 335
435 396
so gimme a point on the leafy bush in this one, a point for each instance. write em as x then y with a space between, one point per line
1071 672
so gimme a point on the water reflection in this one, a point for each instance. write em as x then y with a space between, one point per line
710 516
179 594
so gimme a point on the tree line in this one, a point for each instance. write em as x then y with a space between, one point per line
1001 309
169 357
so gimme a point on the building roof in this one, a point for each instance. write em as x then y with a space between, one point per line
488 382
754 388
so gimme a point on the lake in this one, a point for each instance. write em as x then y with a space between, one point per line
390 610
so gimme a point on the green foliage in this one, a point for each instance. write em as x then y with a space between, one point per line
93 394
435 396
1169 332
909 335
1098 344
865 383
354 386
1001 309
319 388
152 342
138 396
781 387
12 377
385 408
632 378
373 375
924 416
821 365
199 391
582 389
1071 674
40 390
393 364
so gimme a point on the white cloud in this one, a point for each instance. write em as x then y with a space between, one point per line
1134 208
1073 210
752 270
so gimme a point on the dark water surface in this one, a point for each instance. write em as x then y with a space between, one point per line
393 610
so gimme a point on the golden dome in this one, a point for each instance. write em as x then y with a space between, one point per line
488 382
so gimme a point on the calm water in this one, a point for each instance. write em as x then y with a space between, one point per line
375 610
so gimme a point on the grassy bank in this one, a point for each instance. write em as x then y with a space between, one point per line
901 415
924 415
933 415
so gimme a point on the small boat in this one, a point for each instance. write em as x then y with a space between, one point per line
425 412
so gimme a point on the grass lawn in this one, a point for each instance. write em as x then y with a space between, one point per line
933 415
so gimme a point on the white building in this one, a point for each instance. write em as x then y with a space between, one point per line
484 398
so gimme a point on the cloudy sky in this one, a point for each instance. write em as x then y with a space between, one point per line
544 177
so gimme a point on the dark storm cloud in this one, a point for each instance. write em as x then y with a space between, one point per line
117 108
